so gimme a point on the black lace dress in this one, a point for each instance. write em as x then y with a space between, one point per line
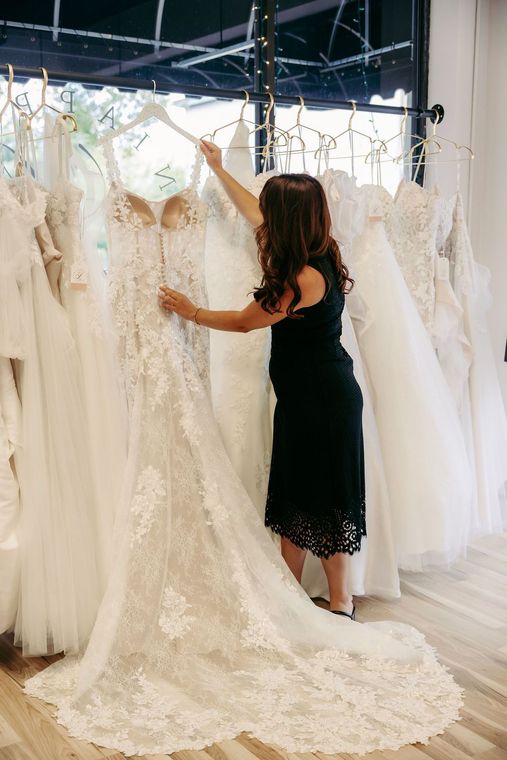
316 495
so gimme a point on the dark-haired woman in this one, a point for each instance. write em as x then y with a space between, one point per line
316 494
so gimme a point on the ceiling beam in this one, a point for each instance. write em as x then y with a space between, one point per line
205 57
56 19
216 38
158 23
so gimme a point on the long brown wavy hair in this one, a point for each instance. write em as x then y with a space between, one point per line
296 227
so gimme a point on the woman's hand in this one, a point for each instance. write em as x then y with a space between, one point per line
172 300
212 154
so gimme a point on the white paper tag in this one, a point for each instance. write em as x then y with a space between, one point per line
79 276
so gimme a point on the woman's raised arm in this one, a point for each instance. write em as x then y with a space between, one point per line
246 203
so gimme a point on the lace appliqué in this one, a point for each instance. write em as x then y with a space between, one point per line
150 493
320 535
413 227
173 619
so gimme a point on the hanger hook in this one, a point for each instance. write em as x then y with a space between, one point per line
247 99
45 79
269 108
300 110
437 121
405 118
354 109
153 92
10 69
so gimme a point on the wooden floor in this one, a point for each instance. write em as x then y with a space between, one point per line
463 613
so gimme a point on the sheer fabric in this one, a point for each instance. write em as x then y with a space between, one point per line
422 443
203 633
239 363
59 586
487 425
374 569
10 428
103 395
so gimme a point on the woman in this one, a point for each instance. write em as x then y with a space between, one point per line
316 495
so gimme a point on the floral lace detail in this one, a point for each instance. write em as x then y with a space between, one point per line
173 620
321 536
150 492
147 678
31 199
64 206
177 259
413 227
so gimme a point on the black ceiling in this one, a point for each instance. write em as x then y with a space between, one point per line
314 31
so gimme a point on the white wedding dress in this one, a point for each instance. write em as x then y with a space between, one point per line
422 443
485 422
413 225
451 344
59 591
203 633
10 440
240 382
373 570
12 346
103 396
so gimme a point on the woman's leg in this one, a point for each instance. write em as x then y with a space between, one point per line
294 557
336 573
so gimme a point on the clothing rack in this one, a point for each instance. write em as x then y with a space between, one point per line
435 113
163 88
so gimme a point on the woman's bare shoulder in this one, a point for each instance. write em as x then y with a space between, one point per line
312 284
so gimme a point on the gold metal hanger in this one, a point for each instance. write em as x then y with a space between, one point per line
269 129
10 100
43 104
212 135
425 147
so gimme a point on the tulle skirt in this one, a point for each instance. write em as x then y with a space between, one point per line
426 463
59 594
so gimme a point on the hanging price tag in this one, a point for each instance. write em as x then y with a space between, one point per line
78 276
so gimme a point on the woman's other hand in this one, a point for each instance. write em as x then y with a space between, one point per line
212 154
172 300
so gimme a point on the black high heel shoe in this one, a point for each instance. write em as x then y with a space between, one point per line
351 615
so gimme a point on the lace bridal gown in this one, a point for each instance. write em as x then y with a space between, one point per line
239 363
203 633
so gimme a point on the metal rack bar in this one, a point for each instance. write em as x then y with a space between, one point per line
125 83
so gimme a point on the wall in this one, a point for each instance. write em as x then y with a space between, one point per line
468 75
488 187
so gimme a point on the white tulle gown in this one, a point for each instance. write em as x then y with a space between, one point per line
59 589
485 421
240 382
203 632
426 463
10 440
12 346
373 570
103 395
